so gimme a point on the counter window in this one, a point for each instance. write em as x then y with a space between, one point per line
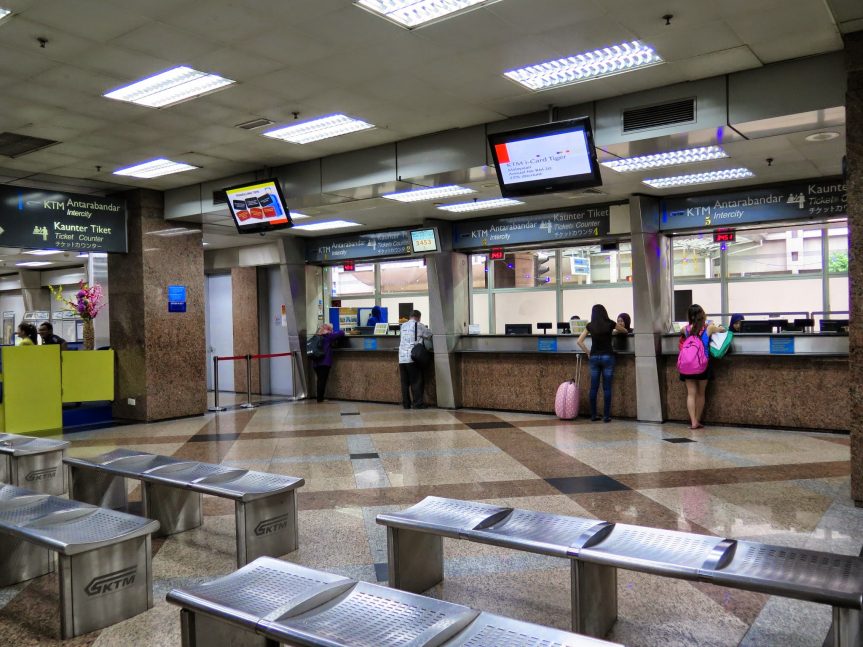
698 268
479 271
528 269
359 282
404 276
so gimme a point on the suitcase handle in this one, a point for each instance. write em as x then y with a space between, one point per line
577 378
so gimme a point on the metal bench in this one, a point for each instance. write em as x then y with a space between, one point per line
596 549
269 602
105 560
35 463
265 504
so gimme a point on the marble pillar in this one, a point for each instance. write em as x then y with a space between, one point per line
244 289
161 355
854 145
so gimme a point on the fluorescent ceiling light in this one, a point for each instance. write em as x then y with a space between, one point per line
429 194
329 224
415 13
658 160
155 168
4 13
318 129
726 175
586 67
296 215
170 87
34 264
44 252
83 255
477 205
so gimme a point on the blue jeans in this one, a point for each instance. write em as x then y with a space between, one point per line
601 366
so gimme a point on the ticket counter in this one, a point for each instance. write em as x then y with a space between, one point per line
38 380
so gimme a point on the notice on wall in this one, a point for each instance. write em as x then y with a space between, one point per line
591 221
370 245
40 219
794 201
176 298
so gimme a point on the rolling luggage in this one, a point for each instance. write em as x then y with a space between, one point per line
569 395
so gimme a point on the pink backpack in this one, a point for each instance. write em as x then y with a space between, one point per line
692 359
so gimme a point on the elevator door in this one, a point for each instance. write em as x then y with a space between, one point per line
281 375
220 330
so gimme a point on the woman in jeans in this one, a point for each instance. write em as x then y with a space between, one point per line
323 364
601 328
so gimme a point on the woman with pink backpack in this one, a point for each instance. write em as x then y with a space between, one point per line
693 361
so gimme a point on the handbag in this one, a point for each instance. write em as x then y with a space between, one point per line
720 342
419 353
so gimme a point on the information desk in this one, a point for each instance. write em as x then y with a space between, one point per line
37 380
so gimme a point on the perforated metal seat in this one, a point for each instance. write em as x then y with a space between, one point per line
651 550
539 532
791 572
446 517
12 491
248 486
75 531
374 616
265 589
489 630
123 462
26 506
18 445
187 473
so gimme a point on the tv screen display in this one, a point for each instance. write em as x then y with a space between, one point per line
552 157
258 207
424 241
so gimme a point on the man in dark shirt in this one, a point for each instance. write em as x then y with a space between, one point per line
46 332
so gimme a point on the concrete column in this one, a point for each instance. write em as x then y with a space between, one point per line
449 278
854 145
244 288
652 265
293 271
161 355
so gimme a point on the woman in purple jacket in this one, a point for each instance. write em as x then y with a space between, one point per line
322 364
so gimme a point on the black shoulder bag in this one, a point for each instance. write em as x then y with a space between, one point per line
419 353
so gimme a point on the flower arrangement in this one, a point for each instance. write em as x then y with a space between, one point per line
89 300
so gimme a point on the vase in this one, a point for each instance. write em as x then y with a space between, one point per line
89 335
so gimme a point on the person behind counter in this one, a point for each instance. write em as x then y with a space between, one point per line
734 324
375 317
601 361
410 373
323 364
624 324
46 332
696 385
26 334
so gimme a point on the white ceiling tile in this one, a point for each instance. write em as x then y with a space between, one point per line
810 43
714 63
122 65
234 64
163 41
156 9
767 23
682 43
16 63
74 78
90 19
22 34
224 21
646 18
541 15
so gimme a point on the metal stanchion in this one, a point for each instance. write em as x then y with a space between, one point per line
248 404
216 406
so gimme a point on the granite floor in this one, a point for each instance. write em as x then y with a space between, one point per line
789 488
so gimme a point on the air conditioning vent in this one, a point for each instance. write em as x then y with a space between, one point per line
253 124
220 197
659 115
12 145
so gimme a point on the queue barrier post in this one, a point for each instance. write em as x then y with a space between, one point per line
216 406
248 403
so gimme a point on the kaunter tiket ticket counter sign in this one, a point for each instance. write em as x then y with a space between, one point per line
40 219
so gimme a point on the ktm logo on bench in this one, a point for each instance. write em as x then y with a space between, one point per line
273 525
112 582
41 475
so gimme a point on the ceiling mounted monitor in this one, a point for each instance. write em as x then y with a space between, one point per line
258 207
549 158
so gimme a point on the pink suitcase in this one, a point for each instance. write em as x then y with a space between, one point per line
569 395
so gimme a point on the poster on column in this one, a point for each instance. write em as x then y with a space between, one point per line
591 221
794 201
41 219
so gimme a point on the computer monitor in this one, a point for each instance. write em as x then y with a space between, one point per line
781 324
801 325
756 325
563 327
834 325
518 329
544 327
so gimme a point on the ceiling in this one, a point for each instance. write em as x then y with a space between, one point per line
318 57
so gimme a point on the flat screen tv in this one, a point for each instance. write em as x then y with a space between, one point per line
258 207
549 158
425 241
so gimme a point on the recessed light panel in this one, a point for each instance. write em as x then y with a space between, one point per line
599 63
433 193
34 264
318 129
4 13
296 215
155 168
170 87
329 224
416 13
629 164
478 205
726 175
44 252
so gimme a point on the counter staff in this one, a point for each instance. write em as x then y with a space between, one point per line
46 332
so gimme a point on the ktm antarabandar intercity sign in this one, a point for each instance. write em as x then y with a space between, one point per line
41 219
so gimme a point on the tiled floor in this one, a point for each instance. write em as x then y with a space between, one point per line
779 487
